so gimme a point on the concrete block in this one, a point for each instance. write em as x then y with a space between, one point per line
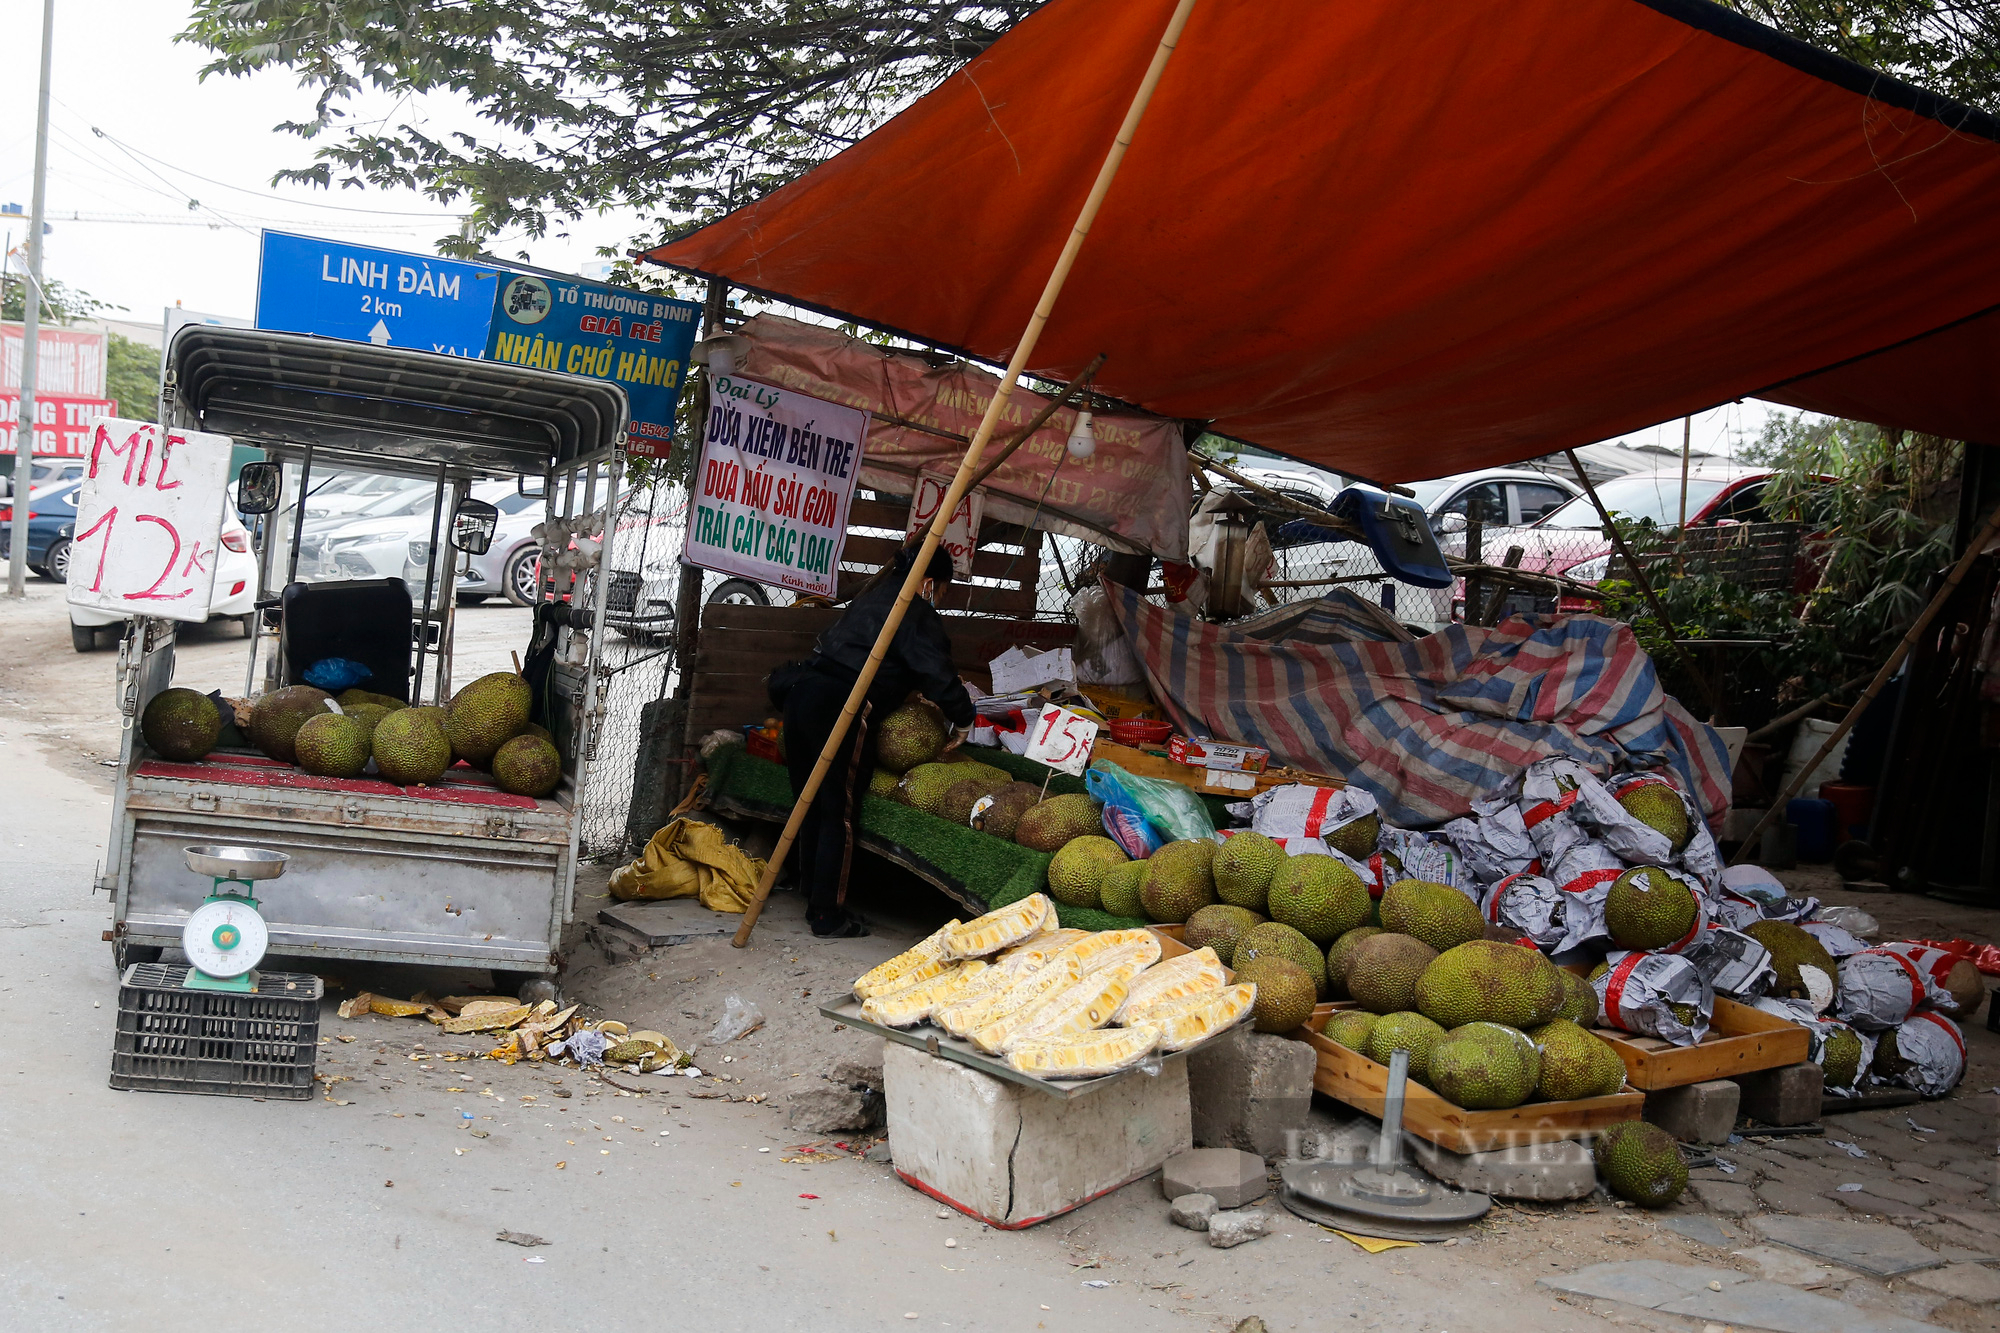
1561 1170
1250 1090
1724 1196
1228 1230
1697 1113
1192 1211
1882 1251
1797 1199
831 1110
1012 1156
1721 1296
1788 1095
1230 1176
1965 1282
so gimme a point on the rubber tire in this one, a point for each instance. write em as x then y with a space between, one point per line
55 561
249 622
739 592
83 638
471 598
522 566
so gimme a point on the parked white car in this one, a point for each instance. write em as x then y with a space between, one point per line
234 597
511 564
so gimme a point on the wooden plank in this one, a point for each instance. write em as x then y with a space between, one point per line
1740 1040
874 552
1154 763
723 615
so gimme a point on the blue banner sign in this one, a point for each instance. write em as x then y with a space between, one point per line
385 297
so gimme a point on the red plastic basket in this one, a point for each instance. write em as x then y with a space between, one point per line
1137 731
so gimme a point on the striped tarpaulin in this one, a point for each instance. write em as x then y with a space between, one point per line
1431 725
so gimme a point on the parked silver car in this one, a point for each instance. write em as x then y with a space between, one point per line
510 565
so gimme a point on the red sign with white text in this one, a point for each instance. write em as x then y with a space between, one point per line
62 423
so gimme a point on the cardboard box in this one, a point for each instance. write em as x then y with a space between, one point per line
1218 755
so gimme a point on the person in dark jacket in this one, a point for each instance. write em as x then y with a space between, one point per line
919 659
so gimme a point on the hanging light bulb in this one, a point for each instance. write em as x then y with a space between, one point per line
722 359
721 353
1082 442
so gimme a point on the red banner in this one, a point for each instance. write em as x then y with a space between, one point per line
1131 493
69 361
62 423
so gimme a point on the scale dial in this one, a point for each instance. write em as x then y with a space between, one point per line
225 939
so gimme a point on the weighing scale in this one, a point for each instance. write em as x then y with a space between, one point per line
1382 1196
226 938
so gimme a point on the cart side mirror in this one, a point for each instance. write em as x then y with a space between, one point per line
538 491
257 487
472 526
1452 525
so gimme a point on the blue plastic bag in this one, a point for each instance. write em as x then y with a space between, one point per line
334 674
1169 811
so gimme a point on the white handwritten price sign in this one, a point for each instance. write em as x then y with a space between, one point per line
149 520
1062 740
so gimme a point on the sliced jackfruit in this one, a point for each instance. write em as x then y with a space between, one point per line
914 1004
1133 950
1083 1054
1036 950
962 1018
1189 974
920 963
1077 1007
997 929
1183 1021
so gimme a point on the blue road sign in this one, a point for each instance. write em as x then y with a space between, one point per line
386 297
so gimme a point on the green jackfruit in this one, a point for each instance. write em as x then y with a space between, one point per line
537 729
1180 879
1045 827
882 782
1002 819
1658 807
1382 971
924 787
1076 870
1243 870
994 778
1641 1163
1118 893
527 766
331 745
1840 1058
487 714
1317 896
180 724
276 717
1285 994
1646 908
1219 926
410 748
1575 1063
1579 1004
1357 837
962 795
368 715
1483 1070
348 698
1792 949
1275 939
1512 1039
1485 980
1405 1031
1437 914
1337 955
1350 1027
909 736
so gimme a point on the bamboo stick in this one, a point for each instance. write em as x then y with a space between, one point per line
969 465
1783 720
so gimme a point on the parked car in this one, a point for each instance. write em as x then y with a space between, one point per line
348 493
51 522
510 566
233 597
370 543
47 472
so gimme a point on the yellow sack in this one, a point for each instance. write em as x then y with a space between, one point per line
687 859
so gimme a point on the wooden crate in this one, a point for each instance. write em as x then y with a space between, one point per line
1347 1076
1154 763
1740 1040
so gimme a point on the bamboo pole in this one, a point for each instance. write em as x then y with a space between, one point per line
969 465
1903 647
1783 720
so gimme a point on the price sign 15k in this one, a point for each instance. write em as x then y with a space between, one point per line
149 520
1062 740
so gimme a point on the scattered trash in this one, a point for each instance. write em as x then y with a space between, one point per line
1851 1188
738 1017
1921 1129
1715 1286
532 1259
1851 1149
802 1196
1726 1168
1097 1282
520 1238
950 1244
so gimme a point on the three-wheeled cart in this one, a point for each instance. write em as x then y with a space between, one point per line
458 874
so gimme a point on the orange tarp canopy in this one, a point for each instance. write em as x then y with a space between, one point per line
1407 237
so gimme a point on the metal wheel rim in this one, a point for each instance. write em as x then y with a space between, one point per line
59 563
524 576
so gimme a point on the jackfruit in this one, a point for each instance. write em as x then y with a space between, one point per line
1319 897
368 715
1641 1163
1118 890
1485 980
487 714
1078 869
1274 939
1659 807
180 724
1350 1028
1474 1070
1083 1054
1220 927
1187 974
1579 1004
1840 1058
1575 1063
1512 1039
332 745
1285 993
1047 826
909 736
1437 914
1383 970
1357 837
1646 908
1967 987
913 1004
276 717
527 766
1337 955
882 782
924 787
1133 950
347 699
1405 1031
1187 1019
1243 870
1793 949
1002 819
410 748
994 778
918 963
961 796
1001 927
1179 879
537 729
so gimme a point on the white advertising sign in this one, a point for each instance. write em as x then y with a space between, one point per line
1062 740
961 535
149 520
775 480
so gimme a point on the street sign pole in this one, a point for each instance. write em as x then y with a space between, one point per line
31 321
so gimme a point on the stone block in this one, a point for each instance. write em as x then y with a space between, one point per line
1012 1156
832 1110
1965 1282
1874 1205
1697 1113
1192 1211
1882 1251
1250 1090
1729 1198
1721 1296
1560 1170
1788 1095
1702 1230
1227 1230
1797 1199
1230 1176
863 1071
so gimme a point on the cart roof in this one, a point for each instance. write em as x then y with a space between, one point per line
389 406
1407 240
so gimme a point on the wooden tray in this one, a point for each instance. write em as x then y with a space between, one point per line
1154 763
1350 1077
1740 1040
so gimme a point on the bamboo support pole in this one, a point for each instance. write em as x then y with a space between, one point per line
969 465
1882 677
1783 720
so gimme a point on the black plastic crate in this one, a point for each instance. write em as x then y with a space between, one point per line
262 1043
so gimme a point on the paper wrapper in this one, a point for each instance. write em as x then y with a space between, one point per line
1529 904
1833 939
1551 791
1880 988
1820 1030
1638 992
1728 908
1493 843
1932 1050
1733 964
1584 874
1298 811
1428 857
1792 910
1642 843
1753 882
